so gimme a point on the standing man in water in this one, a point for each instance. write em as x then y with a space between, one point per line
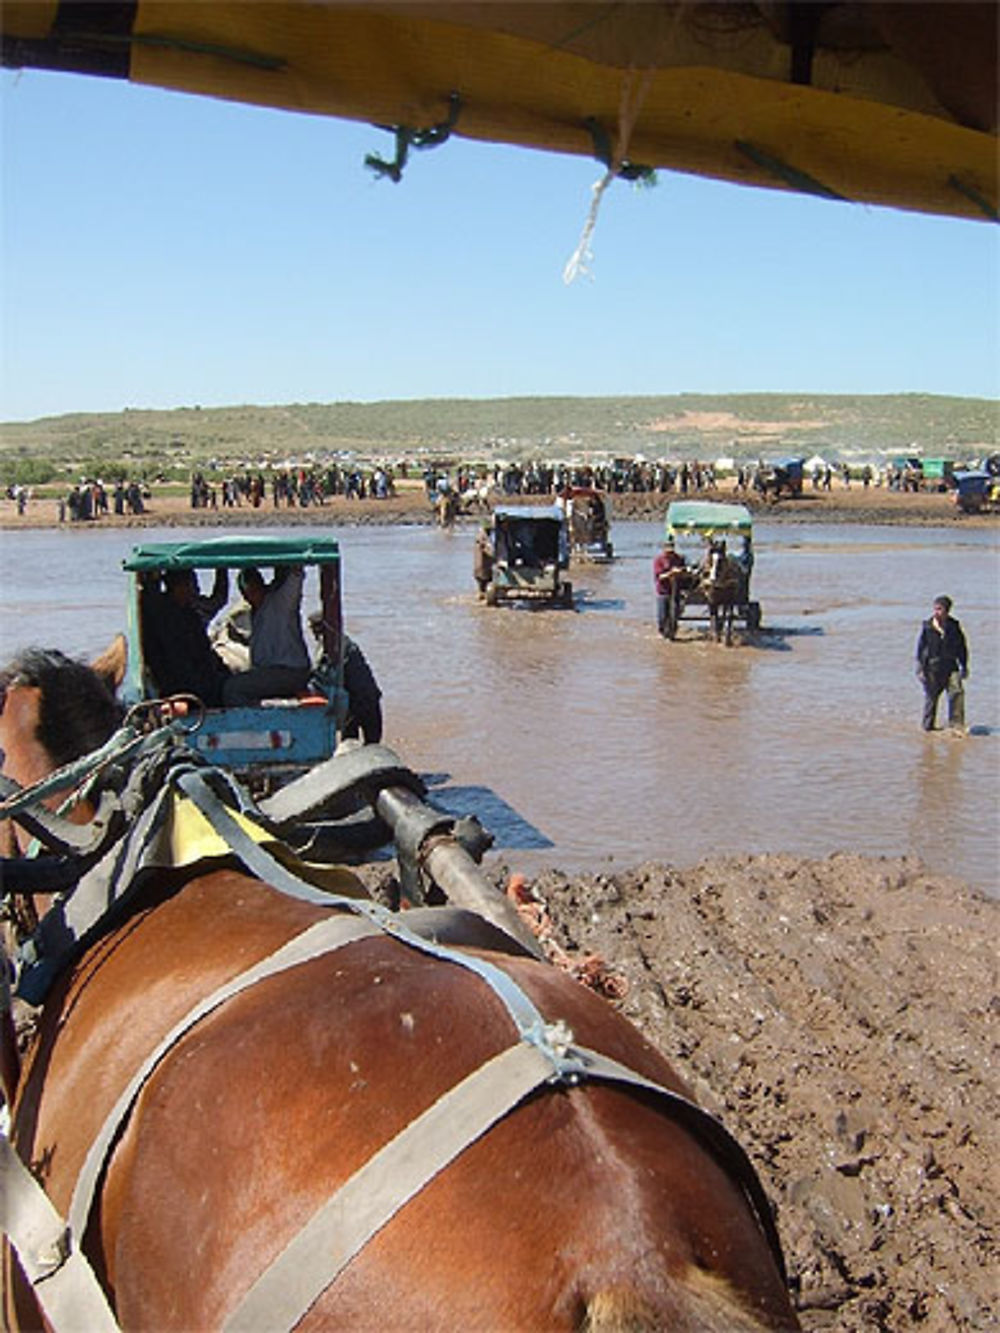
666 565
943 664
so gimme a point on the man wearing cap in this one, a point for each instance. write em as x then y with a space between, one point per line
666 563
943 664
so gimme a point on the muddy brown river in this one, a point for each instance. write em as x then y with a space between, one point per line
585 741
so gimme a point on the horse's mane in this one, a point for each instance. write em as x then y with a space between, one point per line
77 710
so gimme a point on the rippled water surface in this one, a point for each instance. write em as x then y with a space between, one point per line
586 741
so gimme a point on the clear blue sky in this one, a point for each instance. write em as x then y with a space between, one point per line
161 250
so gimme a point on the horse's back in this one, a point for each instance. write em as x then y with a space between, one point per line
583 1204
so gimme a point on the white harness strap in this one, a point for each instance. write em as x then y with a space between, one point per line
64 1283
332 933
388 1180
315 1257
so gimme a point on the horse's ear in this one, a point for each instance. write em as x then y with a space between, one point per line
110 665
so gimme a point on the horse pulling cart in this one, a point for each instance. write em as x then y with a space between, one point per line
258 1100
713 583
589 515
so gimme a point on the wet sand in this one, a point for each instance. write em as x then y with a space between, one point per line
841 1015
842 1019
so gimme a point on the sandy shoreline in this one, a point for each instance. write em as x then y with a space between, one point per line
856 505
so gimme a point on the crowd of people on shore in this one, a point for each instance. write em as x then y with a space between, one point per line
90 500
476 485
291 488
87 500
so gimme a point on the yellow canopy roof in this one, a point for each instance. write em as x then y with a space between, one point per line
882 103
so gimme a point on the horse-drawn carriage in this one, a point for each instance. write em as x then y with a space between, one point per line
710 582
276 738
784 477
588 512
529 553
976 491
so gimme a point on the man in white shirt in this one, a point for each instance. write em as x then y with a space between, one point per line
279 659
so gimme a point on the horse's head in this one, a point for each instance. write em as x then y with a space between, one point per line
52 710
716 560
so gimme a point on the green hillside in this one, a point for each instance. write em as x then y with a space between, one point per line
682 425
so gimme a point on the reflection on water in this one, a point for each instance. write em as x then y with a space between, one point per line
597 737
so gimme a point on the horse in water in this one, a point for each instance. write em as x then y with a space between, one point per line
248 1128
723 585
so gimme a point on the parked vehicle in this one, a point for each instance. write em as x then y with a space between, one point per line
588 512
276 739
530 553
715 585
976 492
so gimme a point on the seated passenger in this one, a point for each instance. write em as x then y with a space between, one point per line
279 659
175 638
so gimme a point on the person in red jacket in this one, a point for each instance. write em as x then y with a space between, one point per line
666 564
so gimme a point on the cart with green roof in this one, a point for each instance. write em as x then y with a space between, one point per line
706 533
278 739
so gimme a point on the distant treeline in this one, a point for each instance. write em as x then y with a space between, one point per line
678 426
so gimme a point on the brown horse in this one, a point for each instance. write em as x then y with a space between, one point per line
723 587
585 1198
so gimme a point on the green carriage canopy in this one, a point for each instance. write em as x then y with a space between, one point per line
877 103
707 517
233 553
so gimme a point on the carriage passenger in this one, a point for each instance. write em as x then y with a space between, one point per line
279 659
176 645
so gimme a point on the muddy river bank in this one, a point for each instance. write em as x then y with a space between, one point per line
796 884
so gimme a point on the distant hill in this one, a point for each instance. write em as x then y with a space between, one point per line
678 426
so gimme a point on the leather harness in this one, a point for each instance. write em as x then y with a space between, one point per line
542 1054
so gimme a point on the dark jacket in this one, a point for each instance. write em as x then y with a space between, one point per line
940 653
177 650
364 707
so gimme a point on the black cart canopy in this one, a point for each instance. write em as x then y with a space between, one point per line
879 103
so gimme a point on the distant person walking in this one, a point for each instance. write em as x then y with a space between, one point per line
943 664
